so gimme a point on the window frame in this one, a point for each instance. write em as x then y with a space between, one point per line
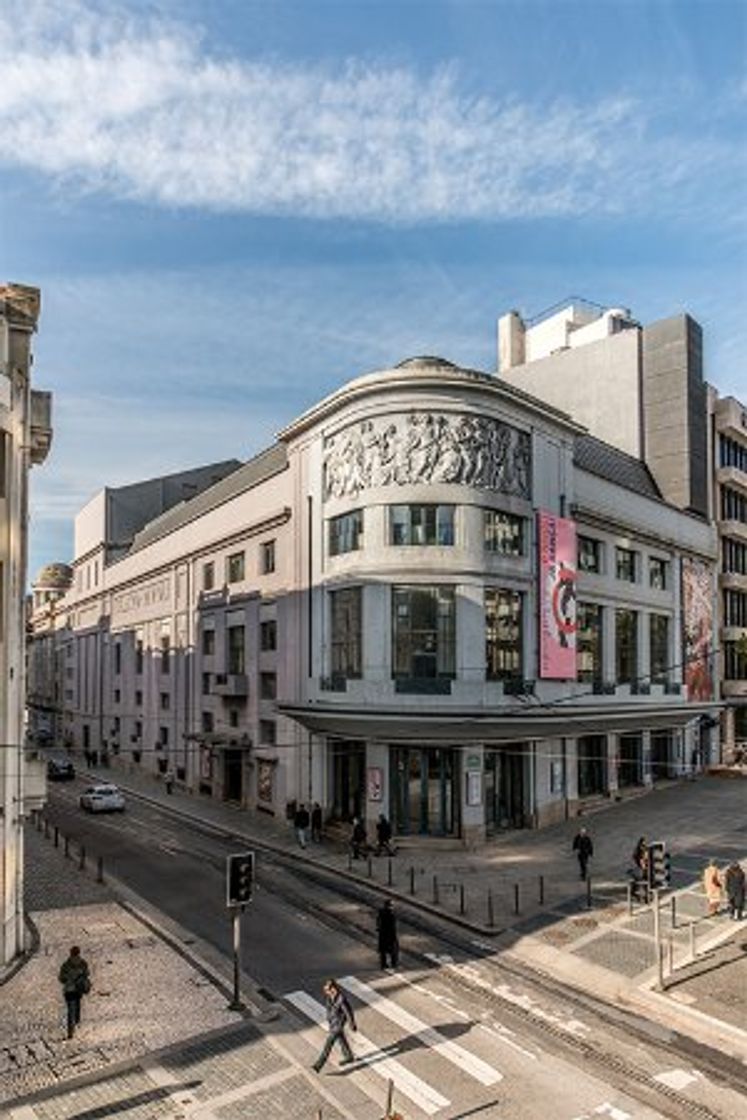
417 641
345 533
236 567
435 522
508 648
512 525
346 643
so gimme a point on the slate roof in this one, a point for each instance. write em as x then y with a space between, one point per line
599 458
258 469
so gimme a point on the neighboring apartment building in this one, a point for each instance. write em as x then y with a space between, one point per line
380 613
25 436
729 437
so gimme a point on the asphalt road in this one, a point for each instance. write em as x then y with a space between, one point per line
555 1057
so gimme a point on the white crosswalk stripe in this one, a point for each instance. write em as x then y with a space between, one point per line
454 1053
414 1088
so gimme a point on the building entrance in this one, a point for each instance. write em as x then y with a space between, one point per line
506 787
662 756
423 790
233 774
630 761
348 758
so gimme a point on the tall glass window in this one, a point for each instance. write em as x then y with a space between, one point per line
345 532
236 655
503 634
589 554
659 647
504 533
423 632
626 566
421 525
235 567
589 642
626 645
658 573
346 611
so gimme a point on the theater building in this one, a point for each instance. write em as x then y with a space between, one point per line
435 596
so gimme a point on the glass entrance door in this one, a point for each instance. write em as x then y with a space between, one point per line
505 787
348 779
423 790
233 785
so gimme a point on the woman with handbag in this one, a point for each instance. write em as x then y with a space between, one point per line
76 983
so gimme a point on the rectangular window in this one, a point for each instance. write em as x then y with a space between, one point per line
734 556
625 564
139 655
419 525
733 505
235 568
117 696
267 732
659 648
503 634
735 608
589 554
658 573
626 645
206 678
345 532
165 701
268 635
233 717
236 658
208 643
268 686
732 453
589 642
165 654
117 658
423 632
504 533
138 698
735 662
207 721
208 576
163 736
267 557
346 623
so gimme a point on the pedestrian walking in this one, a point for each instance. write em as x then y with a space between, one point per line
316 823
358 840
640 855
301 824
383 836
386 927
76 983
584 849
339 1014
168 780
734 881
713 884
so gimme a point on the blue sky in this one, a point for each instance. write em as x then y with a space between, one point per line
232 207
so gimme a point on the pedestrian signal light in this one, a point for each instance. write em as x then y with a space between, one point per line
239 878
659 865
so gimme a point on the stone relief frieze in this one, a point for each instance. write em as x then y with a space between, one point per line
428 447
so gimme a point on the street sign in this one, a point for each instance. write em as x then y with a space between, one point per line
239 878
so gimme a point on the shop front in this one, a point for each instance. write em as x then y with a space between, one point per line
424 790
507 781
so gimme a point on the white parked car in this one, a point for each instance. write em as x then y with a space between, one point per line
102 799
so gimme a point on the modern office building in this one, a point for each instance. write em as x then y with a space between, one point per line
25 435
435 596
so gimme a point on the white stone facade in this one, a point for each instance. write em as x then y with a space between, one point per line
313 627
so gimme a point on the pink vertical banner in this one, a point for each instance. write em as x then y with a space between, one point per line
557 596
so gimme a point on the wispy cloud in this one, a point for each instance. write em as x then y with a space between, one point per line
143 110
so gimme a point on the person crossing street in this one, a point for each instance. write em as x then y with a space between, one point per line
584 849
339 1014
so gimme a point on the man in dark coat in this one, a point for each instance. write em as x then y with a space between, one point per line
584 849
76 983
383 836
316 823
386 927
339 1014
734 881
358 841
301 824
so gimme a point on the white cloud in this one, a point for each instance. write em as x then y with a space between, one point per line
140 109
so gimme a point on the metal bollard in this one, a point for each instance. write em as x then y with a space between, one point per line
350 860
630 899
516 898
370 867
412 880
56 837
542 890
491 915
39 824
461 898
588 892
660 965
692 941
46 827
100 869
67 846
673 904
389 872
82 863
670 953
435 890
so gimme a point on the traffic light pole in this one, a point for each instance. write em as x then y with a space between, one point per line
236 1004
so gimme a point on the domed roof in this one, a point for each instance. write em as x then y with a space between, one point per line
425 361
58 576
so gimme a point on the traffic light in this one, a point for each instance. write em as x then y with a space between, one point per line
659 865
239 878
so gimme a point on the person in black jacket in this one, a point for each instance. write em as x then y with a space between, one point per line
383 836
76 982
584 849
301 824
358 840
386 927
339 1014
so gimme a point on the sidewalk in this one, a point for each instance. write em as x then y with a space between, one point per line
597 946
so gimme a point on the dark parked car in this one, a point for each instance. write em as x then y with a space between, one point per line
60 769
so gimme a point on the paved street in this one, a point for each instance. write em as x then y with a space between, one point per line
456 1030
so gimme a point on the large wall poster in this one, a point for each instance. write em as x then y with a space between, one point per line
697 628
557 596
